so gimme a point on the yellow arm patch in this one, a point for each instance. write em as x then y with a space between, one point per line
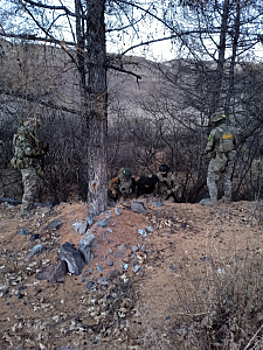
227 136
209 137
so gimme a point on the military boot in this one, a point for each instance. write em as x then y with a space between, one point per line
211 203
225 200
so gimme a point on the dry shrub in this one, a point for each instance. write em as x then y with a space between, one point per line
222 311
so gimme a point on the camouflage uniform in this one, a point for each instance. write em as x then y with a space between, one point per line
222 163
169 187
122 186
25 157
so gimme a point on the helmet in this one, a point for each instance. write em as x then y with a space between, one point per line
127 172
163 168
216 117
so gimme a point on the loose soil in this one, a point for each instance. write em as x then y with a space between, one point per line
129 310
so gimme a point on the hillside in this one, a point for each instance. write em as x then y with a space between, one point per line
112 305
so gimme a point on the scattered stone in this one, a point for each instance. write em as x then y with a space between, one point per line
134 248
142 249
102 223
205 258
80 227
23 232
34 237
122 248
53 272
103 281
110 263
172 267
86 253
118 211
136 268
83 278
53 225
37 249
142 232
149 228
138 207
90 285
125 267
68 253
89 221
88 240
99 268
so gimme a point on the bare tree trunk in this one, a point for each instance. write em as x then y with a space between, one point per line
96 108
221 57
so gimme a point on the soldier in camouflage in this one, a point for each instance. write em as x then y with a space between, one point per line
26 154
221 144
169 187
122 187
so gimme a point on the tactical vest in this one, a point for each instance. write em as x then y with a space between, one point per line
226 139
21 160
125 185
165 182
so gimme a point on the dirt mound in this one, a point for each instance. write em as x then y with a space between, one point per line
130 284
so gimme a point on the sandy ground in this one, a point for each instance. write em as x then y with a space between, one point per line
131 310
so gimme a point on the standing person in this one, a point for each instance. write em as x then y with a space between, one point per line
26 154
122 186
169 187
221 144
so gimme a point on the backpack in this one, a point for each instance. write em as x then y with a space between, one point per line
226 143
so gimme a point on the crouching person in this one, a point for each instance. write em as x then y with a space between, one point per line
146 186
169 188
122 187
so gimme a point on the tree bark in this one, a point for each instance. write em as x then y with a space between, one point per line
96 108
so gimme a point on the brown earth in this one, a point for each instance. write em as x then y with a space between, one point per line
132 310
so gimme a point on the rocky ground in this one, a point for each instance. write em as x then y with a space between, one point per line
124 299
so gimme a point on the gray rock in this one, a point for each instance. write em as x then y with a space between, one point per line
122 248
90 285
99 268
86 254
89 221
53 272
53 225
68 253
37 249
23 232
118 211
149 228
142 232
88 240
136 268
134 248
80 228
125 267
142 249
138 207
102 223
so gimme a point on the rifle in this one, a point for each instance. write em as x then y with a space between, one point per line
172 192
